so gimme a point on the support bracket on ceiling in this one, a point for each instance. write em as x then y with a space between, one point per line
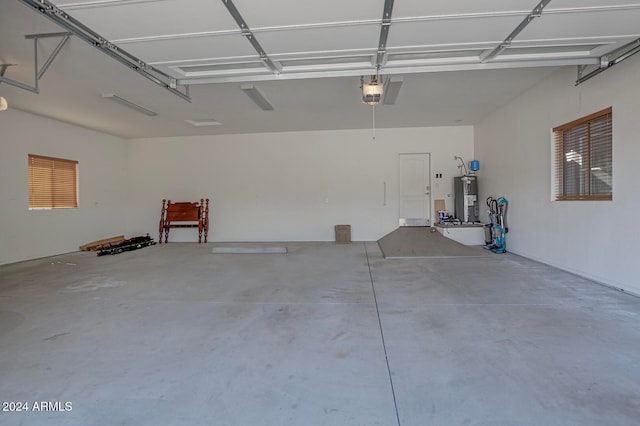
535 13
381 56
3 69
581 70
77 28
39 72
609 60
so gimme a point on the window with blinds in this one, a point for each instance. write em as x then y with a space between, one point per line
53 183
583 158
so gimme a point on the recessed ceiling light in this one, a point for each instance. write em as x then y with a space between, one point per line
204 122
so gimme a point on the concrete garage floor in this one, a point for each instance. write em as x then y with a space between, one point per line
324 335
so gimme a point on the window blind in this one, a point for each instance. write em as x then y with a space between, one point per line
52 183
584 158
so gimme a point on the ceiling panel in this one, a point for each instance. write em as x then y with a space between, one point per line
294 12
584 24
405 9
453 31
320 39
153 18
187 49
342 34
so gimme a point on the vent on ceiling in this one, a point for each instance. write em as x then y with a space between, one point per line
204 122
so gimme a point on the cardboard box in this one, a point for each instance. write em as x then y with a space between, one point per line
343 234
439 206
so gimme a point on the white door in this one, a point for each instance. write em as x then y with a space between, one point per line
415 190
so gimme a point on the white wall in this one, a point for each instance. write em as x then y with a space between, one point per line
288 186
597 239
26 234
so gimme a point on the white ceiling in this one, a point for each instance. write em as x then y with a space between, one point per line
320 48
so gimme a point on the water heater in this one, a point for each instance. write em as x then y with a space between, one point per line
466 205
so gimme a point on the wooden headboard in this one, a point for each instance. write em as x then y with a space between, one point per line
184 215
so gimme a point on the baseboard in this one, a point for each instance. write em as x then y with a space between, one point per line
598 280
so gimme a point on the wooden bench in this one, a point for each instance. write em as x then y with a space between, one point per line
184 215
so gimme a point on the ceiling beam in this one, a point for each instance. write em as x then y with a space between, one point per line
610 60
273 66
535 13
397 70
384 33
408 19
101 3
77 28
